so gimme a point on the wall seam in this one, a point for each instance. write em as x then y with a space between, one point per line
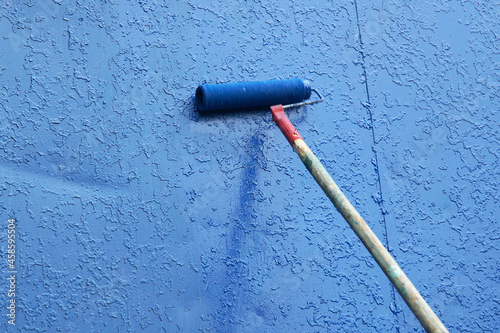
368 107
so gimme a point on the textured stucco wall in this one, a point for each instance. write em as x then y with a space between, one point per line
136 214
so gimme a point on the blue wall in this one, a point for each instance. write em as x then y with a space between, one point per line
134 213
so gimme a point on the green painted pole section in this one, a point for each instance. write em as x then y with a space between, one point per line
406 289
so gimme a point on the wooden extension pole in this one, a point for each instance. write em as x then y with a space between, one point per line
406 289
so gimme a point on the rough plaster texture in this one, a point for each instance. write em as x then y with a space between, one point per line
136 214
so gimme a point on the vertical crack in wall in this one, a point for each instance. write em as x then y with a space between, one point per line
368 107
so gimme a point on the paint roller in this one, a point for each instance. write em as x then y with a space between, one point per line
244 95
280 95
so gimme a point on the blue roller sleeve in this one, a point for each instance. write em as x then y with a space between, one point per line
213 97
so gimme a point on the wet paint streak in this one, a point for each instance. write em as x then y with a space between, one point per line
406 289
236 288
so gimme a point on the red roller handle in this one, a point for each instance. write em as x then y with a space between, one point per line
286 127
